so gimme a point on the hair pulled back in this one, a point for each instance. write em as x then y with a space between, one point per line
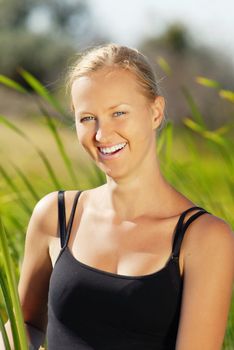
115 56
111 56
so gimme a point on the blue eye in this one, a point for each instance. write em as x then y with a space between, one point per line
120 112
85 118
89 117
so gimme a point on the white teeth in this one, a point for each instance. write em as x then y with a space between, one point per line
113 148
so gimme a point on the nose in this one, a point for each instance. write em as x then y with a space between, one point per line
103 133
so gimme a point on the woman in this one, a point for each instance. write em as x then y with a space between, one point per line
138 265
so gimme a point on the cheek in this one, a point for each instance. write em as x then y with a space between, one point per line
140 128
83 133
83 140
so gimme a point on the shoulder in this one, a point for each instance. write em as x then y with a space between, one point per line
207 283
45 211
209 239
210 229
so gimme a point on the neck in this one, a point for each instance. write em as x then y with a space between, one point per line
143 192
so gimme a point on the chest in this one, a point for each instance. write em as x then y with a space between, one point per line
144 308
133 248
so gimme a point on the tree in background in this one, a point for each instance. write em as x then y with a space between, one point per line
41 35
187 60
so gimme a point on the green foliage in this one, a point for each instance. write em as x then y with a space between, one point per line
208 82
164 65
176 38
40 153
223 93
14 13
227 94
10 295
11 84
40 90
43 52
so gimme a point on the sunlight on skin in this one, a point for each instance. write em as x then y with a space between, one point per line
92 96
118 88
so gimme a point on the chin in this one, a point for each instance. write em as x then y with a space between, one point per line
114 174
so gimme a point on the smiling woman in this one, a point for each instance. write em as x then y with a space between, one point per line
138 265
124 75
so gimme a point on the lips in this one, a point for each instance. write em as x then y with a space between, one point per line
115 148
114 155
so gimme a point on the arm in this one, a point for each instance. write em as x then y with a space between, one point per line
208 280
36 270
35 336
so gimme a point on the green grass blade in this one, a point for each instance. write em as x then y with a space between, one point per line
50 170
210 135
161 140
9 308
197 115
164 65
207 82
52 127
40 153
191 124
98 177
164 141
41 90
215 138
12 84
4 333
13 127
27 183
223 145
169 141
11 281
225 128
15 189
15 222
227 95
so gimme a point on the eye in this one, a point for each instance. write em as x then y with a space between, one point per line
86 118
120 112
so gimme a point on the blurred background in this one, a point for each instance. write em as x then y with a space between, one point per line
195 37
191 48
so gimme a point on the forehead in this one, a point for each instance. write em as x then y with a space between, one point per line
106 84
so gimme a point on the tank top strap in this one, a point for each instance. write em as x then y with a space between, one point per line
61 217
64 232
181 228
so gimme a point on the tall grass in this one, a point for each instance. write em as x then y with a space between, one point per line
10 296
201 167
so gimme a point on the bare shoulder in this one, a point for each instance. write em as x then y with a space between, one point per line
45 213
209 247
209 233
208 281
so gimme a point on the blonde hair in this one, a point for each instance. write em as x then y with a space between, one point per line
115 56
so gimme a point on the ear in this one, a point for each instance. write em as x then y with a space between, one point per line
157 109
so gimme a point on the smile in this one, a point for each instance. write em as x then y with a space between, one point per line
111 152
112 149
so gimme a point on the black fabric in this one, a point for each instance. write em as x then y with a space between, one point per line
65 232
91 309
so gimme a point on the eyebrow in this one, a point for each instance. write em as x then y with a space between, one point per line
112 107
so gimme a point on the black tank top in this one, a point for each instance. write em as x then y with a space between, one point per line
92 309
